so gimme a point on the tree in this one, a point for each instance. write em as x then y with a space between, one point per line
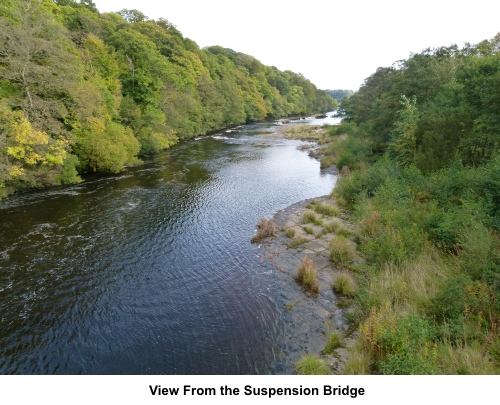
35 58
404 142
133 16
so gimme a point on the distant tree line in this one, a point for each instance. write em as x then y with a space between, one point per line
81 90
339 94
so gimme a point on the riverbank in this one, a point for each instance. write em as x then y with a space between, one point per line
309 229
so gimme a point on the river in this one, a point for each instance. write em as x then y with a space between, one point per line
151 271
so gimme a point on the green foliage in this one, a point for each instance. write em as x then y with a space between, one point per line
339 94
69 173
311 217
323 209
427 210
334 342
308 230
401 344
112 86
404 141
107 146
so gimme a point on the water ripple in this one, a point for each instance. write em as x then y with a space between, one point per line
152 271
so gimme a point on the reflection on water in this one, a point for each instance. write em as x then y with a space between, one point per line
151 271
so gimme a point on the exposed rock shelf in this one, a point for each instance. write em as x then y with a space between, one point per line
309 317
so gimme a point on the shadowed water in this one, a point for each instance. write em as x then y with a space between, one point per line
151 271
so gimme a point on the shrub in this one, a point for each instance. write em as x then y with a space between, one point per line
290 233
266 227
401 344
345 285
341 252
311 365
307 277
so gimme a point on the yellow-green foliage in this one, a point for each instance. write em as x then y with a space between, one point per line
311 217
308 230
311 365
108 146
401 343
124 86
334 342
290 233
324 208
341 251
307 277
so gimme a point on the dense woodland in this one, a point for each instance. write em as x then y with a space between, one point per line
419 152
81 90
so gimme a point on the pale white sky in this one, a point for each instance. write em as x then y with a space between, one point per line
335 44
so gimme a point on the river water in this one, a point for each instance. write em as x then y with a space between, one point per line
151 271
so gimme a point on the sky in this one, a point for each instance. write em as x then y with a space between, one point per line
336 45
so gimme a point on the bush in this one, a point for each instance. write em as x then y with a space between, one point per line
311 365
464 310
290 233
401 344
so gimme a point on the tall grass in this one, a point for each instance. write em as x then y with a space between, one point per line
311 365
307 277
345 284
265 228
341 251
311 217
